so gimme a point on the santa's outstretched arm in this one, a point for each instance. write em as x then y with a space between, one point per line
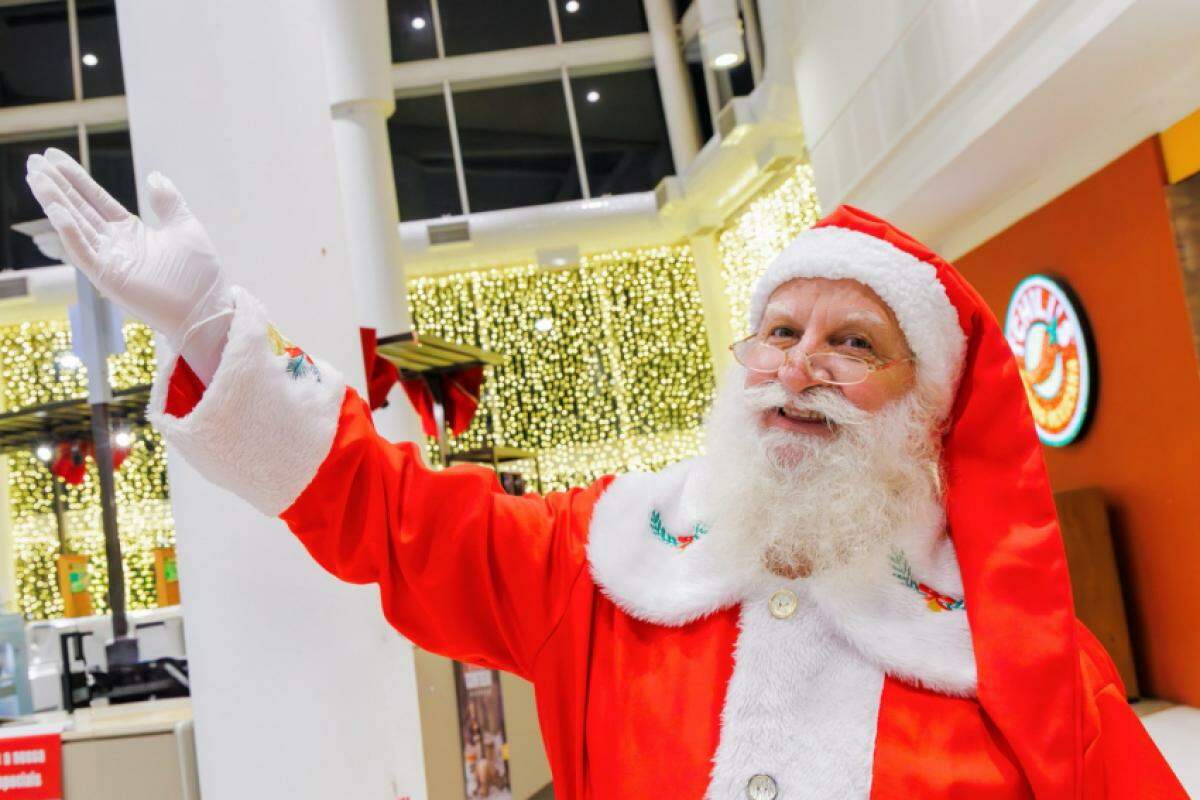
464 569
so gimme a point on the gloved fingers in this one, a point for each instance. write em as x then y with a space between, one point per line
165 199
79 250
94 193
38 163
47 193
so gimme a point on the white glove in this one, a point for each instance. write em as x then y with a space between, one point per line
169 276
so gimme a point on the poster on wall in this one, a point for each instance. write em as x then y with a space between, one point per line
481 729
1048 334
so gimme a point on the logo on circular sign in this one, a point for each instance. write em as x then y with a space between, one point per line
1048 336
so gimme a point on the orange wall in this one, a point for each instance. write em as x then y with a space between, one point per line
1110 237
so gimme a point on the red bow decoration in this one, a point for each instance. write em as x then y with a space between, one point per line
70 462
461 388
381 373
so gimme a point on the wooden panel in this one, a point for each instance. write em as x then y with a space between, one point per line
1184 201
122 768
1093 565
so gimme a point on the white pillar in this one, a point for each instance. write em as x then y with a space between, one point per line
291 669
358 69
718 323
683 127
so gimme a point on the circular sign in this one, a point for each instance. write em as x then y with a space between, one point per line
1049 337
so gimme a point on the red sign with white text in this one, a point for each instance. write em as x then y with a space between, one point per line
31 768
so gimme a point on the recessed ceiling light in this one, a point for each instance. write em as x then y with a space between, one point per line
90 59
593 96
572 6
543 325
725 60
418 23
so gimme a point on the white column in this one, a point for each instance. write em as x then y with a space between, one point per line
358 63
717 321
683 127
291 669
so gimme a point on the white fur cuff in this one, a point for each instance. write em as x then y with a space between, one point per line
266 420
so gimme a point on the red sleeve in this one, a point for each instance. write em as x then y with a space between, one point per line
464 570
183 391
1121 762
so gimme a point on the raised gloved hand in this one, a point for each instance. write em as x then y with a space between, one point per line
168 276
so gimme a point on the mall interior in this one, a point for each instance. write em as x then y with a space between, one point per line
568 202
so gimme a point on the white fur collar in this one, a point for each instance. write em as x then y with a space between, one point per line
887 618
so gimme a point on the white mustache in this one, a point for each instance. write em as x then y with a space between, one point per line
826 401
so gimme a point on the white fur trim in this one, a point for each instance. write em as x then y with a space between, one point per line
801 707
908 285
648 579
889 623
257 431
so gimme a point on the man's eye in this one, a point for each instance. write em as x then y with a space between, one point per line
782 332
857 343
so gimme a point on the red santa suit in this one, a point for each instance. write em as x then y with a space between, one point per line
950 666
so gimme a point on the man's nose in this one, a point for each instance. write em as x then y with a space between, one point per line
795 375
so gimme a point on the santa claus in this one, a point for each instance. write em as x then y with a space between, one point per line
860 591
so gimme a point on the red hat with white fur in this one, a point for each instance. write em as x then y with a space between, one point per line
1000 510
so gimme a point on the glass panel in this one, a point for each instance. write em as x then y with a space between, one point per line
99 48
475 26
624 136
112 165
35 54
422 158
16 201
700 97
411 26
516 146
586 19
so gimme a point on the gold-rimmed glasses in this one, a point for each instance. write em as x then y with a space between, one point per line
836 369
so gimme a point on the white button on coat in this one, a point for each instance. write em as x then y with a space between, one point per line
783 604
762 787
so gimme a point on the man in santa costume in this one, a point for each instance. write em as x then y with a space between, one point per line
860 591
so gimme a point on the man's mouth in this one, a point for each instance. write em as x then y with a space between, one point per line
800 421
802 416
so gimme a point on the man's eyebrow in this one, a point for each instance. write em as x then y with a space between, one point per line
868 318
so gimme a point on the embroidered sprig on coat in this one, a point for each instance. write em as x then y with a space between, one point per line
299 363
679 542
933 598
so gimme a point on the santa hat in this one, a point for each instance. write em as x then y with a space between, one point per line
1000 510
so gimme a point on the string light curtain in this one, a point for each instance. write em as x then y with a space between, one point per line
35 372
608 365
757 233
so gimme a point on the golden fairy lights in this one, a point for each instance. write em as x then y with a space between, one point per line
35 372
608 365
758 233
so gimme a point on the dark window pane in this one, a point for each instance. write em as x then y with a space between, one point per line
17 203
35 54
112 165
99 49
586 19
411 26
516 146
422 159
700 97
624 136
474 26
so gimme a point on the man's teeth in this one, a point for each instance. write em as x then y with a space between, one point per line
802 416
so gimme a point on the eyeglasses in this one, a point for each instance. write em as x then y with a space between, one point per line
837 369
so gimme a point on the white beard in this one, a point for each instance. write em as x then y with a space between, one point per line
813 504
